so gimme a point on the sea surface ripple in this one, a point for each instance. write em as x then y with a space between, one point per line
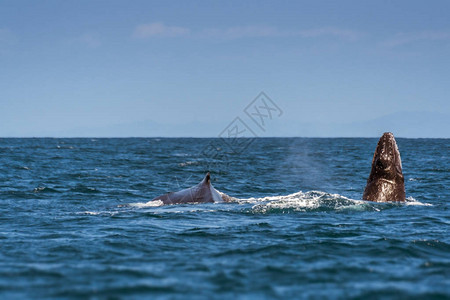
76 221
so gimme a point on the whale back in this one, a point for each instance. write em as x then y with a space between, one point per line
203 192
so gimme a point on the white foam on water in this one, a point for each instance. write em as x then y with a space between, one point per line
176 209
299 201
302 201
97 213
188 163
155 203
92 213
317 199
226 197
411 201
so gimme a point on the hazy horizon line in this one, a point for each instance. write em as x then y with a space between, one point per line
211 137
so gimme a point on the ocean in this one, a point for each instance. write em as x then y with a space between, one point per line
76 220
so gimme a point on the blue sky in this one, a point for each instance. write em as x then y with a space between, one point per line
188 68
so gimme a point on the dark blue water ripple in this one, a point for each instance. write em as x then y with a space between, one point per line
75 221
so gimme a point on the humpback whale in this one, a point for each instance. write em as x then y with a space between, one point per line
203 192
386 181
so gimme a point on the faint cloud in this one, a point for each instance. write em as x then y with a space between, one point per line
408 38
87 39
331 31
238 32
159 30
269 31
241 32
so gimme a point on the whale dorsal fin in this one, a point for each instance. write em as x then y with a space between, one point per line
207 179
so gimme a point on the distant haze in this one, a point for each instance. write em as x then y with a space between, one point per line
403 124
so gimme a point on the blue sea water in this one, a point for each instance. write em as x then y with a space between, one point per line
76 221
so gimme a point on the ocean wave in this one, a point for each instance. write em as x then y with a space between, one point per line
318 200
98 213
80 188
189 163
45 189
150 203
307 201
299 201
412 201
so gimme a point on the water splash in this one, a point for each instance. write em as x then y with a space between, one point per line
306 201
155 203
300 201
318 201
411 201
